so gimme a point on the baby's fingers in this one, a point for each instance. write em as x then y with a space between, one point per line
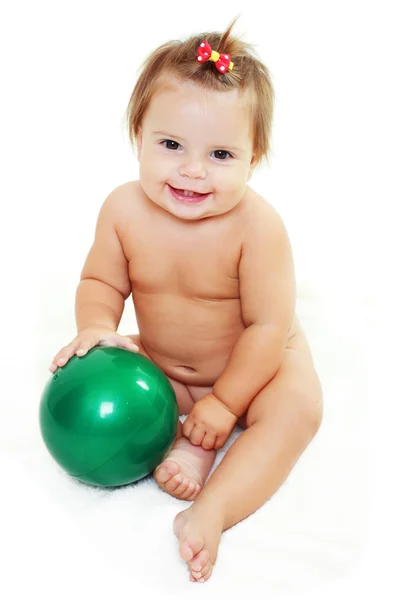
121 342
84 347
81 347
126 342
209 441
62 357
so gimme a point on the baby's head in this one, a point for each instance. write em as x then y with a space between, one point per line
198 129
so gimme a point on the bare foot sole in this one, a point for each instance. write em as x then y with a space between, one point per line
183 473
199 537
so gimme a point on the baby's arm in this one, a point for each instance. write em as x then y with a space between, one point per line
267 291
103 288
268 297
104 283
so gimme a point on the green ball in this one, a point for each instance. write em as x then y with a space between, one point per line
110 417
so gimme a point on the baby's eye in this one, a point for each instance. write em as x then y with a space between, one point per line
170 144
221 154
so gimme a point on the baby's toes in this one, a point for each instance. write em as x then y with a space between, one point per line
181 491
195 488
186 490
200 565
190 490
207 575
203 575
166 471
173 484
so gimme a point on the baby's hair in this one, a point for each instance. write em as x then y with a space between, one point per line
179 58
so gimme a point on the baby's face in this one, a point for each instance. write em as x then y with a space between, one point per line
195 150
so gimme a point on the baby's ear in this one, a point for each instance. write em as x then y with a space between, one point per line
139 143
252 167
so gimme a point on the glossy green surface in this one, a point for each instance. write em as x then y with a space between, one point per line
110 417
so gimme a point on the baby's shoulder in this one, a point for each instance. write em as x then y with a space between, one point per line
123 195
260 216
123 202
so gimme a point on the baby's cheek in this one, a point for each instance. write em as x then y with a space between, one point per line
150 179
234 189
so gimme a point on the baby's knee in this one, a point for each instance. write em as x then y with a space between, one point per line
316 408
310 408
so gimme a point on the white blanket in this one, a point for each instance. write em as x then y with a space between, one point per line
63 539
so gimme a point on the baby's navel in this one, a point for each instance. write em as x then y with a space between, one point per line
186 368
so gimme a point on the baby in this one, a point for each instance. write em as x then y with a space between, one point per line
210 269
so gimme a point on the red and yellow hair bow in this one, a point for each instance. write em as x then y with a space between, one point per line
222 61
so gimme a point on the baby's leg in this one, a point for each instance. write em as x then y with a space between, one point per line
280 422
183 472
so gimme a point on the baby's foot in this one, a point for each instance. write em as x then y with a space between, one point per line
183 473
199 535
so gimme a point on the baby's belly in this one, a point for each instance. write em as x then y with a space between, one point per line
190 339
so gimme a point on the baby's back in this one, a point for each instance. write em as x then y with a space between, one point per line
185 285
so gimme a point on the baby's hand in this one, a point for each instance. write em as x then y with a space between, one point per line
87 339
209 423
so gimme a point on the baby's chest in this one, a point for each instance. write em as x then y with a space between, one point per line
201 271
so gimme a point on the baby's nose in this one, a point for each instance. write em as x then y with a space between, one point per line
194 170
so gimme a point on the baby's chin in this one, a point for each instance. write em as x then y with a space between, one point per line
189 213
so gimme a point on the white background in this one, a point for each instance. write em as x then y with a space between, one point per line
66 75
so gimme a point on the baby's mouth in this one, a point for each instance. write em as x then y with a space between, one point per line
186 195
